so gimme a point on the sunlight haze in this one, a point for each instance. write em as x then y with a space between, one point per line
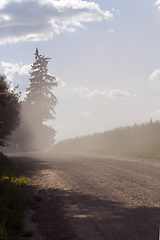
104 54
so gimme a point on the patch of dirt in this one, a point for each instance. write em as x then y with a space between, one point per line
49 220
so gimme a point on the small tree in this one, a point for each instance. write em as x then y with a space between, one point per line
9 110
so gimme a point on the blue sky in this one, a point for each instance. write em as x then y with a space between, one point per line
105 54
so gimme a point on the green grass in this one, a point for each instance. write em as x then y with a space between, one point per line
14 199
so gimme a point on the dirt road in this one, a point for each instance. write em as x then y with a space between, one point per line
92 197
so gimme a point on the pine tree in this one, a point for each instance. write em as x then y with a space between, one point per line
40 99
37 108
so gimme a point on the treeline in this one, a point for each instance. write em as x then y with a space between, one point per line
137 141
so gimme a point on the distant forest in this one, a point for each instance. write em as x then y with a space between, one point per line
135 141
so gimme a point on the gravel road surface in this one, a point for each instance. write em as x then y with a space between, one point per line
93 197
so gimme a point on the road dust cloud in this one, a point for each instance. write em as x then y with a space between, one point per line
31 134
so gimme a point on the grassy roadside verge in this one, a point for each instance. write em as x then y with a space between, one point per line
14 199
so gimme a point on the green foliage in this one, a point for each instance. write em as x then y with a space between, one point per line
136 141
13 200
9 110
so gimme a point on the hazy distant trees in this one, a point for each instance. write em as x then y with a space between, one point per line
136 141
37 108
9 110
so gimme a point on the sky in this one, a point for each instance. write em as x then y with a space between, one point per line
104 54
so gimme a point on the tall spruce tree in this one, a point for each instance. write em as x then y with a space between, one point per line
39 105
37 108
40 99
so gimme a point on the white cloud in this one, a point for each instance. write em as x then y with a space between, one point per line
155 76
157 3
10 70
85 114
17 74
3 3
97 94
73 23
80 89
39 20
9 65
114 93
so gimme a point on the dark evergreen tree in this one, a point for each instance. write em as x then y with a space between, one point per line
40 99
9 110
37 108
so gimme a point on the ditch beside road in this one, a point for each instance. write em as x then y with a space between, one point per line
93 197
